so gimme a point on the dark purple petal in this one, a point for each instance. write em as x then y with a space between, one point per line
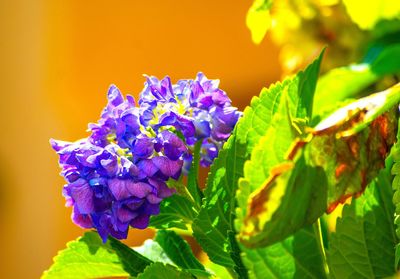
168 167
173 145
110 165
153 199
161 187
147 168
141 221
118 188
138 189
180 122
82 194
82 220
143 147
125 215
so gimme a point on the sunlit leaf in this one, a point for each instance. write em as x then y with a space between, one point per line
163 271
298 256
177 250
88 257
175 212
363 245
337 160
347 82
153 251
215 219
395 171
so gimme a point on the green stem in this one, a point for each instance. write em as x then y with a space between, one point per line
183 191
318 235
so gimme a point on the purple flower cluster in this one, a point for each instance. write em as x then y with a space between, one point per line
197 108
118 176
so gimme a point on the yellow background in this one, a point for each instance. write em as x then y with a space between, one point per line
57 61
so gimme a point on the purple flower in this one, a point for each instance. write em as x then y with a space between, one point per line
117 177
196 108
111 188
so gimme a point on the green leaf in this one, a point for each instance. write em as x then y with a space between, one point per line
385 64
337 160
88 257
330 92
239 267
177 250
355 78
175 212
395 171
363 245
295 102
258 19
153 251
298 256
193 183
162 271
216 216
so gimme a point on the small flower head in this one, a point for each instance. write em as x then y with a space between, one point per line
198 108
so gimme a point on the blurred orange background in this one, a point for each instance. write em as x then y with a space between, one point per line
58 59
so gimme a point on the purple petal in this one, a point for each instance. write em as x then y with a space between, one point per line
143 147
82 195
147 168
141 221
173 145
118 188
114 96
168 167
138 189
82 220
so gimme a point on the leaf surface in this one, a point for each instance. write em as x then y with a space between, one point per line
215 219
177 250
163 271
88 257
175 212
363 245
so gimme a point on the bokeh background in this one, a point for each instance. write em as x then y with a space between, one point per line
57 61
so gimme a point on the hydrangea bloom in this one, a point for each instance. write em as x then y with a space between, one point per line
117 177
198 108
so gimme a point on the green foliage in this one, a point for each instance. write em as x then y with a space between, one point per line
298 256
292 101
258 19
175 212
88 257
338 159
215 217
177 250
217 213
362 246
153 251
163 271
348 82
193 183
395 155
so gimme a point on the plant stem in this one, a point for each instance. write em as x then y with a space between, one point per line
318 235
